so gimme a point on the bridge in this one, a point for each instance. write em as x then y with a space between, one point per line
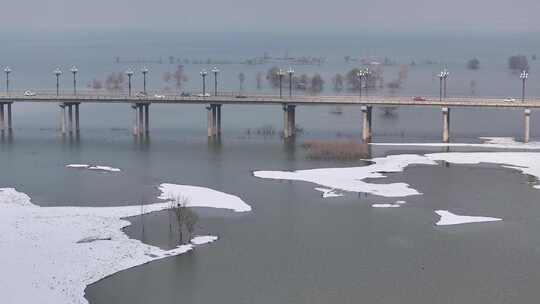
140 106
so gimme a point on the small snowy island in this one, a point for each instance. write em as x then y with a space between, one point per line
53 253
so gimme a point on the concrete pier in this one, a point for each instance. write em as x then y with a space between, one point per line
2 122
63 118
218 121
214 120
141 124
527 136
446 124
146 118
9 118
77 123
70 118
366 123
289 120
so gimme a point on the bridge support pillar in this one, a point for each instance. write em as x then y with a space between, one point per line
218 120
2 122
527 136
9 118
214 120
366 125
70 118
77 123
446 124
210 120
289 120
63 118
141 127
146 118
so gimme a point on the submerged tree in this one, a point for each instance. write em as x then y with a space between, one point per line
518 63
178 77
241 79
337 82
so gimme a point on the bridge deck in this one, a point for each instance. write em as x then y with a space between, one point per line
269 100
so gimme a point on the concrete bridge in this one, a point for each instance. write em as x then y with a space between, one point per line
140 106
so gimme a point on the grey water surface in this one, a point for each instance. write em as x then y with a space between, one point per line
294 246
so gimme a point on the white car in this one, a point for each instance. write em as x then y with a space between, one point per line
159 96
29 93
509 99
204 95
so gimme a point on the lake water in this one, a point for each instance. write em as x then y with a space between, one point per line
294 247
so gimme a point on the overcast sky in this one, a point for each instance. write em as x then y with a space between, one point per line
272 15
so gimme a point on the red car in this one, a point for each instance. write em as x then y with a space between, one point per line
419 98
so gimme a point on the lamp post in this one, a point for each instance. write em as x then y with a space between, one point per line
144 72
441 77
280 75
74 71
366 73
7 70
203 75
360 75
215 70
445 76
57 72
523 76
290 71
129 74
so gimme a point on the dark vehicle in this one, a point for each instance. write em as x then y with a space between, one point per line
419 98
184 94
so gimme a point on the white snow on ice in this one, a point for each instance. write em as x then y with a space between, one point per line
489 142
203 197
93 167
448 218
352 179
388 205
328 193
205 239
53 253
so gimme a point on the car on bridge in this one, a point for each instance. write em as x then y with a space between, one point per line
29 93
419 98
509 99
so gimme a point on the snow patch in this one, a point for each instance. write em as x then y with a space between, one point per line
352 179
328 193
489 142
203 197
53 253
93 167
389 205
449 218
203 239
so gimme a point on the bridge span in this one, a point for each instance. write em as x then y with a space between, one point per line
140 105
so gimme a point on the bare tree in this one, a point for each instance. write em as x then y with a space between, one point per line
259 80
337 82
273 77
473 64
178 77
241 78
114 82
352 79
518 63
316 84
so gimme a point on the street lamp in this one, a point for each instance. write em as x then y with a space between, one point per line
57 72
441 77
524 75
360 75
7 70
129 74
366 73
74 70
215 70
280 75
144 72
290 72
203 74
445 76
